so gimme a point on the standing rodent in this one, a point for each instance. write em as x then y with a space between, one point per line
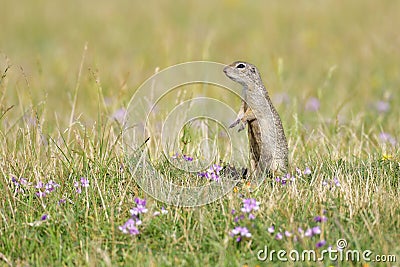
268 145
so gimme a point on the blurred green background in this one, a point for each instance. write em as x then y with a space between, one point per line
344 53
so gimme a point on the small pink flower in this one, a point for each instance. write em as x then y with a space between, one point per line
307 171
278 236
312 104
271 229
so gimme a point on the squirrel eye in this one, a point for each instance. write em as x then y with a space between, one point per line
240 66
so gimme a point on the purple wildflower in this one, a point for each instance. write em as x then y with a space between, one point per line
288 234
312 104
39 185
382 106
163 210
140 202
271 229
251 216
320 243
48 188
250 204
336 182
175 156
119 115
289 177
187 158
210 170
77 187
285 179
140 207
44 217
130 227
299 173
320 219
278 236
138 210
51 186
14 180
241 232
19 184
308 233
316 230
202 174
214 176
212 173
84 182
62 201
387 138
217 168
307 171
233 211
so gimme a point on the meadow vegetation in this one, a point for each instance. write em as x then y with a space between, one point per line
68 70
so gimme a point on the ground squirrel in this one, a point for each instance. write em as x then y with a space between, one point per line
268 145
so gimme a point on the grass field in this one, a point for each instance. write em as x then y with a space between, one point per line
69 69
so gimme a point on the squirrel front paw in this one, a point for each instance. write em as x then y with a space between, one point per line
236 122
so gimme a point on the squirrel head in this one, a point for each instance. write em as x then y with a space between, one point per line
244 73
